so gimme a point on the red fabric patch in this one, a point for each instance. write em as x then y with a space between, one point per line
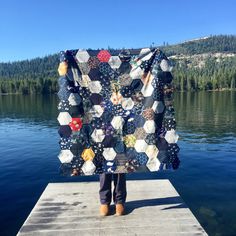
75 124
104 56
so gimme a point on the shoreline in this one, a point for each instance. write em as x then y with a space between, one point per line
212 90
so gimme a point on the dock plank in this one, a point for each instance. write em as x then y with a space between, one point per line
153 207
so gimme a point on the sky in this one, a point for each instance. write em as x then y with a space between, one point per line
30 29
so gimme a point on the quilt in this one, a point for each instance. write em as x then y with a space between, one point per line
116 111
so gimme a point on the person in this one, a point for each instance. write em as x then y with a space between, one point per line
119 192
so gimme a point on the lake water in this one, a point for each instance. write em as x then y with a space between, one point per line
206 179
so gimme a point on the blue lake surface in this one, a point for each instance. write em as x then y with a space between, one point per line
206 178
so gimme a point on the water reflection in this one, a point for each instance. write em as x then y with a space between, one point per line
206 178
196 112
210 113
36 109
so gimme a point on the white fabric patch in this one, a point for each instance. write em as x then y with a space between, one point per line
171 136
117 122
140 145
88 167
150 126
64 118
65 156
109 154
82 56
98 135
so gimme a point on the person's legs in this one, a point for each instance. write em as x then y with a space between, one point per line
119 192
105 188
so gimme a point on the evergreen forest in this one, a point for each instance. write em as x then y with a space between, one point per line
207 63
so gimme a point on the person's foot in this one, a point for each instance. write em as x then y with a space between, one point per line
120 209
104 209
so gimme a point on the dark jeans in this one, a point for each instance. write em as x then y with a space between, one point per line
119 192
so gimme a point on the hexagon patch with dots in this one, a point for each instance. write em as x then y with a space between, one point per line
115 112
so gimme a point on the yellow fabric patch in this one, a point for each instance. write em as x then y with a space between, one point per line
88 154
129 140
62 69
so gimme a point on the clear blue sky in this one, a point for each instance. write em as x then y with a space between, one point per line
30 28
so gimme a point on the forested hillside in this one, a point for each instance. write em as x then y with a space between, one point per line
204 64
211 44
38 75
201 64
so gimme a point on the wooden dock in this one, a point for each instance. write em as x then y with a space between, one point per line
153 207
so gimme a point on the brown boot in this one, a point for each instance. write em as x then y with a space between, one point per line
120 209
104 209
